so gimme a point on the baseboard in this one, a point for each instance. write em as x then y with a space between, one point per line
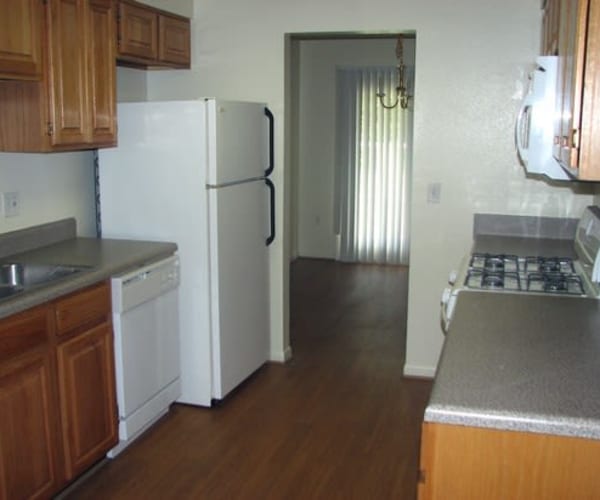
281 356
419 371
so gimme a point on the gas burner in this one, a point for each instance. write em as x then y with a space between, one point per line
495 262
559 283
482 279
492 280
545 265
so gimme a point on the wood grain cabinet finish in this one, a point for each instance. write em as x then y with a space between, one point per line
151 37
21 39
73 107
550 27
58 412
138 32
87 396
29 445
174 36
86 377
577 136
468 463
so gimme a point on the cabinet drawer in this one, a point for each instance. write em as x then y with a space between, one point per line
23 331
84 308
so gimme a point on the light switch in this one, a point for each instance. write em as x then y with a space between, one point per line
434 192
11 204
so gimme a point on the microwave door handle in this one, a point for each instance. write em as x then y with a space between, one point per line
522 150
524 112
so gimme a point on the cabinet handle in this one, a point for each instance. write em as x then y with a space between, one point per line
575 138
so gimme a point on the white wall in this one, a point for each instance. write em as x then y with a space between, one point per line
318 60
471 59
51 187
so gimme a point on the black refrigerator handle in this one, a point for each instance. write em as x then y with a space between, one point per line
271 142
271 187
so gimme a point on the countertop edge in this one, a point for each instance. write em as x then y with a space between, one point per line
149 252
537 424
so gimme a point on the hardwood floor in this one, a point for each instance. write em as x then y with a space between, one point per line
337 421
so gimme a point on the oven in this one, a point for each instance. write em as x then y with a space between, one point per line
556 275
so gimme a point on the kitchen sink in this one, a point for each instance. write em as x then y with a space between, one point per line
15 276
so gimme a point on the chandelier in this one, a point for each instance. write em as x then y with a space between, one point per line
402 95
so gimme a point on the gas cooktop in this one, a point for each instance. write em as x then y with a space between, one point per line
502 272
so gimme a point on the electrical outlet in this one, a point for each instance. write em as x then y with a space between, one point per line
434 192
11 204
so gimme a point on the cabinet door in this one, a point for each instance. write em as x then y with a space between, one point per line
174 40
573 22
68 73
87 397
28 428
102 71
21 39
550 27
461 462
138 32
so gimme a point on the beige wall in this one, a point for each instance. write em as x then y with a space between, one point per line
472 58
50 187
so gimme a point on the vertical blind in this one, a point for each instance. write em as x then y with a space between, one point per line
373 166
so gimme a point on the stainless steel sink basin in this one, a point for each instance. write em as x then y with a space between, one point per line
17 276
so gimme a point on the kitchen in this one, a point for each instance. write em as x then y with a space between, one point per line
472 60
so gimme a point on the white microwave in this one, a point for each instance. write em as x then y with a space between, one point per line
534 130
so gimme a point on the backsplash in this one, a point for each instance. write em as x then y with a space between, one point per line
49 187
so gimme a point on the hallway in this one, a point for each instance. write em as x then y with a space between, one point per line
337 421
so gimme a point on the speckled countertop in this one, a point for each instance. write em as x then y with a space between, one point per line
104 257
521 362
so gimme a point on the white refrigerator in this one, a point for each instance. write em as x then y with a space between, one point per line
196 173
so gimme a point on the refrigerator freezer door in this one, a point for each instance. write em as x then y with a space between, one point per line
238 141
152 188
239 279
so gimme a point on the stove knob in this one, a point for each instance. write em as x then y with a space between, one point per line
452 277
446 295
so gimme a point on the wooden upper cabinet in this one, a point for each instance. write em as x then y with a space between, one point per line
550 27
577 137
68 72
82 73
174 36
102 72
138 32
21 39
150 37
73 106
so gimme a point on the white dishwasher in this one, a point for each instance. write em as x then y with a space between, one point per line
146 327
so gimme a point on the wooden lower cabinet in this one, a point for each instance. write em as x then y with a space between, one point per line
58 413
29 446
87 398
462 463
28 418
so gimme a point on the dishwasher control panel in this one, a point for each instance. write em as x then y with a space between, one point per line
136 287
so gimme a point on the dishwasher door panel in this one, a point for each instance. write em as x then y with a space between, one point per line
150 350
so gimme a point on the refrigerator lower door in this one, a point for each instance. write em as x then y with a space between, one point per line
239 283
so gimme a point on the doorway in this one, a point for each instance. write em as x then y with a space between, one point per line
311 131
